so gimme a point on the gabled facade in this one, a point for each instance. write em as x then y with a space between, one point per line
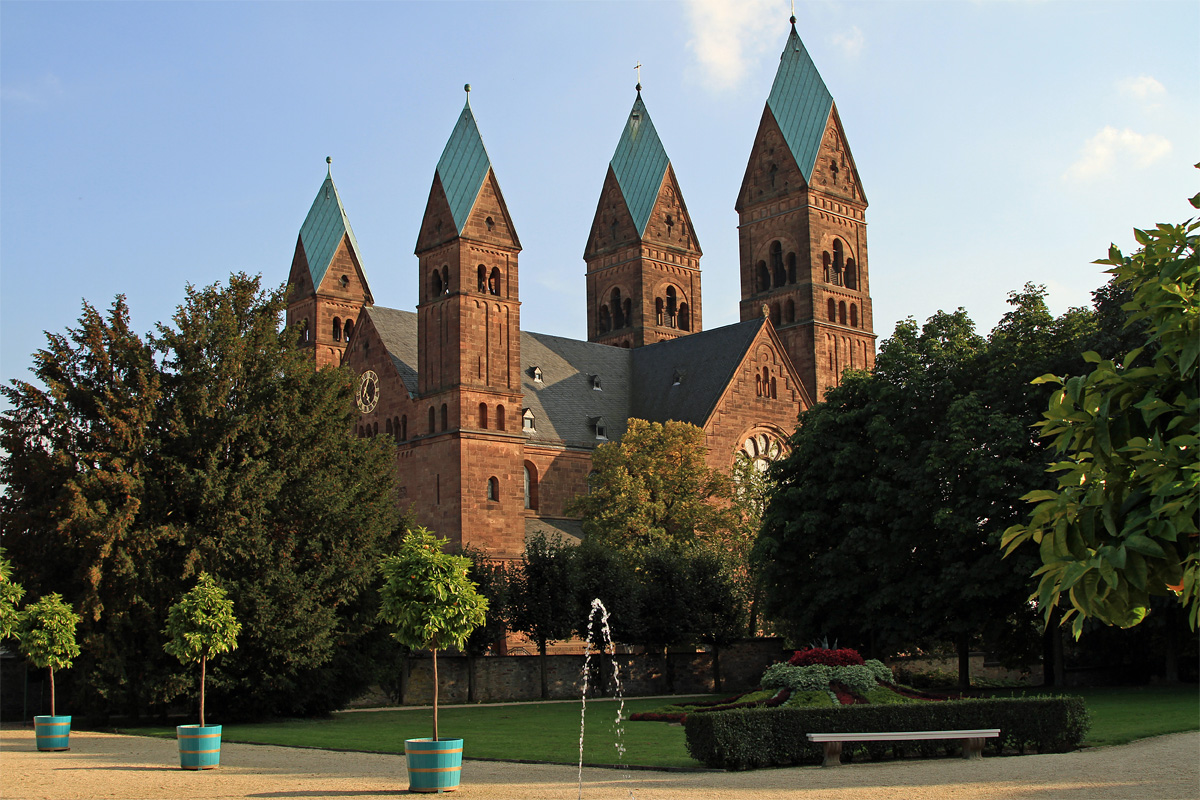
494 426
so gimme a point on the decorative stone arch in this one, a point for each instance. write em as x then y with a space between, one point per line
762 444
531 485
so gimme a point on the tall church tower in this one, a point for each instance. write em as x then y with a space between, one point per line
469 350
327 285
802 229
643 260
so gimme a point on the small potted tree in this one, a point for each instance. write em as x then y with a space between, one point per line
46 631
432 604
199 626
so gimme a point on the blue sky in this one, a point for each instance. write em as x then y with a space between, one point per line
145 145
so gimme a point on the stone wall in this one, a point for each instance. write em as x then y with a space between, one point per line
511 678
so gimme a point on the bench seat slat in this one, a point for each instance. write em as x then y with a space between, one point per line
895 736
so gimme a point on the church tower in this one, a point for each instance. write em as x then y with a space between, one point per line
469 351
327 285
643 260
802 228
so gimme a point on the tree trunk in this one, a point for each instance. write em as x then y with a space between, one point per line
964 661
52 692
669 670
203 660
543 669
470 678
1052 652
716 669
435 695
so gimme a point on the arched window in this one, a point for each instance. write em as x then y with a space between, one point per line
627 308
842 312
348 330
481 277
605 323
531 485
303 336
764 277
432 415
483 416
851 274
854 315
404 428
791 267
789 312
396 429
777 272
658 311
494 282
375 429
445 417
826 263
672 309
758 387
435 284
614 306
776 315
773 387
445 279
387 428
832 310
685 319
499 418
493 489
337 329
838 261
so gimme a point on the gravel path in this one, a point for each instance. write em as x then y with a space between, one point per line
101 765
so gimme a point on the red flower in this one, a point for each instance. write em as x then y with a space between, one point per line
842 657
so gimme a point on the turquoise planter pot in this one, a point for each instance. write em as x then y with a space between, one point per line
52 733
434 765
199 746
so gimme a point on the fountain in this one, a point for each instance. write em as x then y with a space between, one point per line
597 605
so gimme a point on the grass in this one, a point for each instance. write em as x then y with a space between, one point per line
526 732
550 731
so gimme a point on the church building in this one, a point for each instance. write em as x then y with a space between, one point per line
494 426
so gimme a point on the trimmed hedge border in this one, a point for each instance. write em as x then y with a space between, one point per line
758 737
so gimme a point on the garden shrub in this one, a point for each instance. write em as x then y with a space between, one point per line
842 657
751 738
879 670
857 678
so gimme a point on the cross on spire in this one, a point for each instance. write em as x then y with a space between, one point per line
638 67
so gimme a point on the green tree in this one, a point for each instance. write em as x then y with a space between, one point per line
430 599
1121 524
11 593
131 466
47 636
201 625
654 486
719 616
542 599
492 580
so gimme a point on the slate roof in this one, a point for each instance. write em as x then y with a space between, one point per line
567 530
636 382
639 164
800 103
704 364
463 167
398 331
323 230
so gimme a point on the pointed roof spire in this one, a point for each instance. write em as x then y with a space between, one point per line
324 228
639 164
464 165
800 102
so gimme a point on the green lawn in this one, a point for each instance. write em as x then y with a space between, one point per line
550 731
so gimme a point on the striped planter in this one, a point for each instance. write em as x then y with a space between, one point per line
52 733
199 746
434 765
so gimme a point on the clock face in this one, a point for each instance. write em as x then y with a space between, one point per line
367 396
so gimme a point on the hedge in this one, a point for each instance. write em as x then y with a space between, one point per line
757 737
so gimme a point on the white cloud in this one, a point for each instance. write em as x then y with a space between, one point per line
851 43
1142 87
33 92
721 32
1101 152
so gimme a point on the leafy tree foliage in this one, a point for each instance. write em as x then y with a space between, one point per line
883 526
201 625
132 465
430 599
654 487
11 593
491 578
47 636
543 600
1121 525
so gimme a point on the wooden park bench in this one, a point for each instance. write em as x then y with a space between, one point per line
972 740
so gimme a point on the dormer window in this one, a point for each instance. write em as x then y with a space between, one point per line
597 424
536 372
527 420
677 377
596 383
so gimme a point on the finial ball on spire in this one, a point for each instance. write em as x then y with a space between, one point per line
467 88
329 159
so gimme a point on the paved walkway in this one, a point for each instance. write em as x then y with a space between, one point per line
103 765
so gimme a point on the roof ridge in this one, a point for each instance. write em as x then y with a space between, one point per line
639 164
